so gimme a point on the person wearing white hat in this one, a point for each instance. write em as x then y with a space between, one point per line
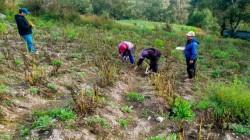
191 54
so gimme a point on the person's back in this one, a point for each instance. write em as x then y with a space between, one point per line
22 25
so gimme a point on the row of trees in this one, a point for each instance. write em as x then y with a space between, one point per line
207 14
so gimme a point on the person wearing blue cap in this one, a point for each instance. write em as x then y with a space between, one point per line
25 28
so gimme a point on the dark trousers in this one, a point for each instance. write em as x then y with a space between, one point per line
191 68
153 64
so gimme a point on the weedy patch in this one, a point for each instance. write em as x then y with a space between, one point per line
127 109
52 87
56 65
97 121
108 71
240 129
135 97
34 90
3 92
182 110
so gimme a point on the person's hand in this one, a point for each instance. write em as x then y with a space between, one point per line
191 62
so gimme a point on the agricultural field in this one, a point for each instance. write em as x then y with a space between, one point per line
77 88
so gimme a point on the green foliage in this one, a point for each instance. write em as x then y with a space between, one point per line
52 86
240 129
216 74
228 102
157 138
124 123
182 110
97 120
70 33
203 19
219 54
34 90
24 131
135 97
3 28
159 43
18 62
62 114
43 123
126 109
56 63
3 89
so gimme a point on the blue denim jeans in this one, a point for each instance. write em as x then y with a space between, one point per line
28 40
131 58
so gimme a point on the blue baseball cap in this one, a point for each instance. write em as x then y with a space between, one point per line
24 10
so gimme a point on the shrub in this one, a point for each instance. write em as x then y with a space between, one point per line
229 103
203 19
97 120
181 110
135 97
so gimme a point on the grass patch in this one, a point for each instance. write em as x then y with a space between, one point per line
127 109
135 97
97 120
229 102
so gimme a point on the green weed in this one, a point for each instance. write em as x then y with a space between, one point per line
181 110
157 138
3 28
135 97
159 43
126 109
24 131
3 91
219 54
240 129
62 114
56 63
34 90
124 123
229 102
52 86
18 62
43 123
97 120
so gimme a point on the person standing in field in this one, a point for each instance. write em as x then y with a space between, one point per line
126 50
153 55
25 28
191 54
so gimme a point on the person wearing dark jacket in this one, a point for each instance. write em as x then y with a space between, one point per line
153 55
191 54
25 28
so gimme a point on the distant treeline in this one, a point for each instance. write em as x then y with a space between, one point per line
211 15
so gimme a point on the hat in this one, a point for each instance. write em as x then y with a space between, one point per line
24 10
191 34
123 47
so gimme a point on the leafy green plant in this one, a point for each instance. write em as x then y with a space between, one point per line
3 91
24 131
52 86
159 43
124 123
56 63
18 62
3 28
135 97
97 120
34 90
181 110
43 123
126 109
71 33
216 74
240 129
157 138
62 114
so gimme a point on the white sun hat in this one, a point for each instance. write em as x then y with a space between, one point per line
191 33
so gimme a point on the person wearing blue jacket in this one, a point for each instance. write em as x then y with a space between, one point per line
191 54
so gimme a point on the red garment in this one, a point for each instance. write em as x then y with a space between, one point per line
122 48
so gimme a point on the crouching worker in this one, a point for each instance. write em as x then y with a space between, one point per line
153 55
126 50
